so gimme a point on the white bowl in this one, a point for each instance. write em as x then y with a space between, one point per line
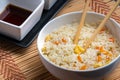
65 74
19 32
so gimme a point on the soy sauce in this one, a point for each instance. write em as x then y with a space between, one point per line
15 15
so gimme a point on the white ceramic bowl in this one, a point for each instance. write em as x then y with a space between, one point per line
19 32
64 74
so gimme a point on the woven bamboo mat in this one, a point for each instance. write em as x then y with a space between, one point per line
18 63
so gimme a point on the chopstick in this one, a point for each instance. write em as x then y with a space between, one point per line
89 41
76 38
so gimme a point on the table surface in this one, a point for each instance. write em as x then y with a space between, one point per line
18 63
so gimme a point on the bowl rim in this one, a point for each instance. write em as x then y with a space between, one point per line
61 16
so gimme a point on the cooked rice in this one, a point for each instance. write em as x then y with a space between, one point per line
60 50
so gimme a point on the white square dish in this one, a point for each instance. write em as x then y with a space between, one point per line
49 3
19 32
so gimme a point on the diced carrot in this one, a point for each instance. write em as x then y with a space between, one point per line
56 42
110 54
105 52
64 40
79 58
99 48
107 58
102 50
84 67
111 39
99 58
102 30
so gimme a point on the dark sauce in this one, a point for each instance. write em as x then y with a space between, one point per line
15 15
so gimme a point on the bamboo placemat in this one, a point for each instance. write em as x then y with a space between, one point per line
18 63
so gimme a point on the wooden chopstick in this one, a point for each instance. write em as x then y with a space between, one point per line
76 38
89 41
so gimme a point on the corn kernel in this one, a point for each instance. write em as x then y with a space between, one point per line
108 61
48 38
44 49
96 65
78 49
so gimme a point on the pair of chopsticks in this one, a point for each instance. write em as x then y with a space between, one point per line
89 41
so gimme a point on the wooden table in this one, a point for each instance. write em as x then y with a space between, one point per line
18 63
